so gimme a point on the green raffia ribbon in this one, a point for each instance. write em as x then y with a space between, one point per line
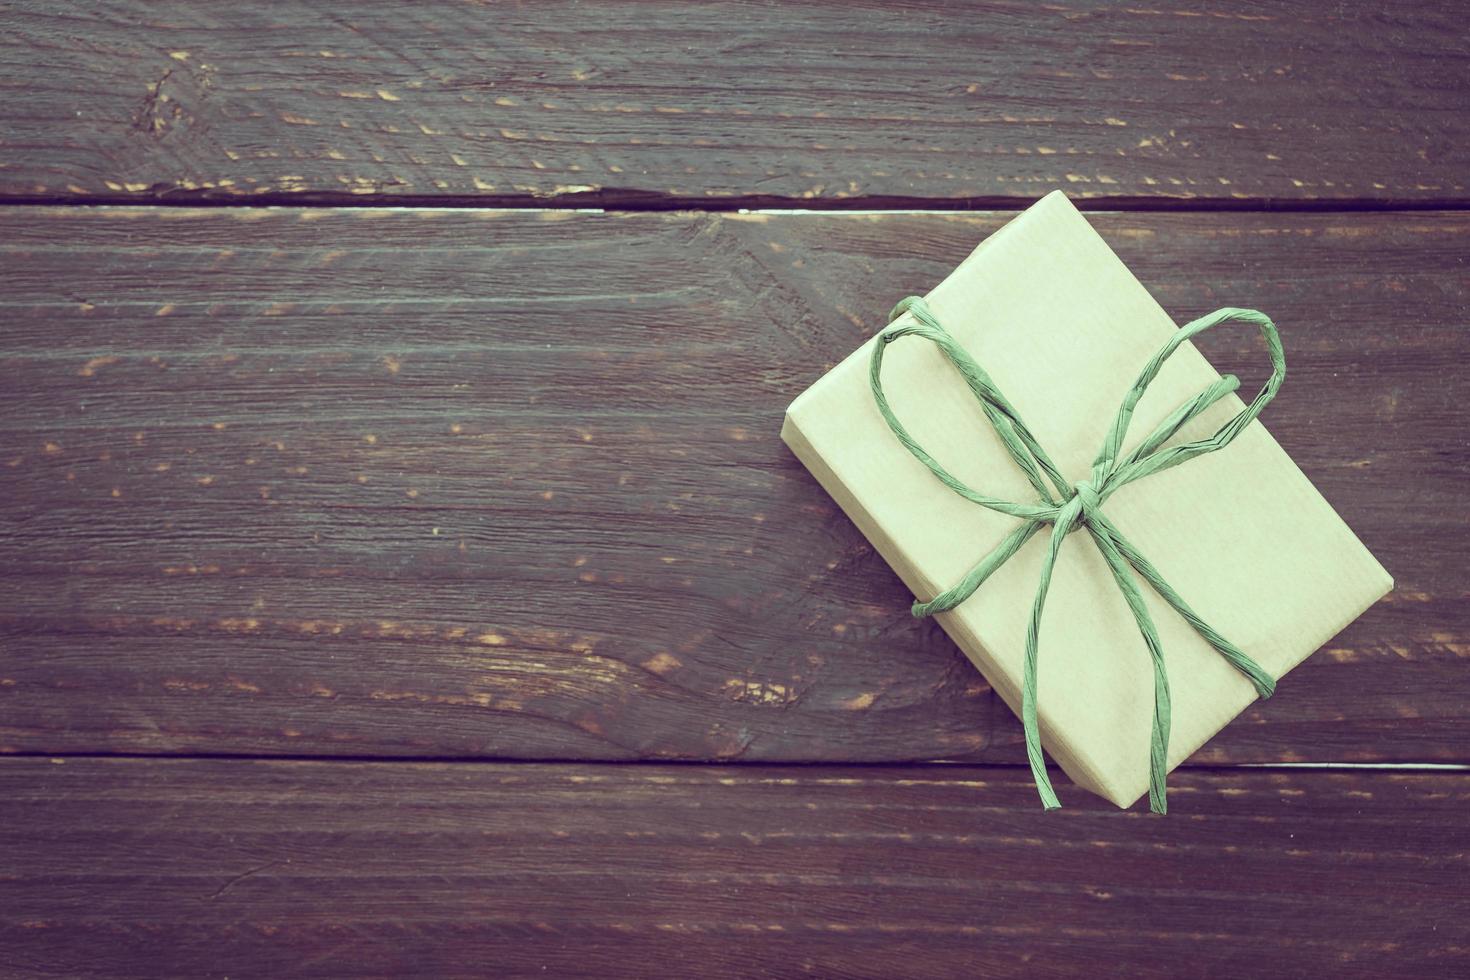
1081 506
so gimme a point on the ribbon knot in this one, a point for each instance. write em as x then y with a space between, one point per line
1088 499
1066 507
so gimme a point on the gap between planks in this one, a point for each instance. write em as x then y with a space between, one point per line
462 760
598 202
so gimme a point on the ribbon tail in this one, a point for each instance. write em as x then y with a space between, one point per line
1029 718
966 587
1263 682
1158 769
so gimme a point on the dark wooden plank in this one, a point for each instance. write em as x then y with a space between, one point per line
645 101
479 483
128 868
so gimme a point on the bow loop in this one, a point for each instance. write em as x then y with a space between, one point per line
1081 505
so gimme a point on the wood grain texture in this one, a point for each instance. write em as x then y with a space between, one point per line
648 102
128 868
498 484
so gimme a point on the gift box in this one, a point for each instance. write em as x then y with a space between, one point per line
1024 379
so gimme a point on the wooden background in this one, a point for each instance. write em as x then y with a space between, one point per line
402 574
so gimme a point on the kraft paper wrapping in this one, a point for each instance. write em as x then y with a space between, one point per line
1064 328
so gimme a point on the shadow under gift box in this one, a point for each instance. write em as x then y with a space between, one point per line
1063 328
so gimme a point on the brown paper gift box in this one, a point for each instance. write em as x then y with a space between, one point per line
1064 328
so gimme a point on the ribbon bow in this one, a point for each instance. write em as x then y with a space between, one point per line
1080 505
